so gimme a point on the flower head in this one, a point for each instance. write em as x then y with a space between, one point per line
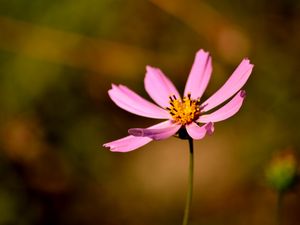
282 170
188 112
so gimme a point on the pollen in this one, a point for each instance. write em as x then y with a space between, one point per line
184 110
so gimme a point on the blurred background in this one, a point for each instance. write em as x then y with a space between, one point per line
57 62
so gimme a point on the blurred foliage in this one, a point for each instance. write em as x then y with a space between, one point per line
59 58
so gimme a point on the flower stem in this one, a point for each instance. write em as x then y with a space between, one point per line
279 207
190 184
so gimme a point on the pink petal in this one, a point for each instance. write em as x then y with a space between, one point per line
131 142
199 75
159 87
159 132
232 85
132 102
196 132
127 144
228 110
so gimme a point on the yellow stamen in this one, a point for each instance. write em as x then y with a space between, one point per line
184 111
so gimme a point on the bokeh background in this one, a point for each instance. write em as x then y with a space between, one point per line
59 58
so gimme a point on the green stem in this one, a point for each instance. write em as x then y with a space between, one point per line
279 207
190 184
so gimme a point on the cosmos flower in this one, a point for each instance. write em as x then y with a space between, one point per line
187 114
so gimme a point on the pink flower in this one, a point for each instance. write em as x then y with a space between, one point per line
180 113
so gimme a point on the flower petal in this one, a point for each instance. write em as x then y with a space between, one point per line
228 110
159 132
199 75
232 85
131 142
197 132
132 102
128 143
159 87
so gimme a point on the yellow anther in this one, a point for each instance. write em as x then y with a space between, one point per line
184 111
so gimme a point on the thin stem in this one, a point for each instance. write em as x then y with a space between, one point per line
279 207
190 184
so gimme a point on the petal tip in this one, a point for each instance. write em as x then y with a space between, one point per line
113 86
247 60
243 93
106 146
202 51
150 68
210 128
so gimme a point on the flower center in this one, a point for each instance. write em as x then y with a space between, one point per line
184 111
